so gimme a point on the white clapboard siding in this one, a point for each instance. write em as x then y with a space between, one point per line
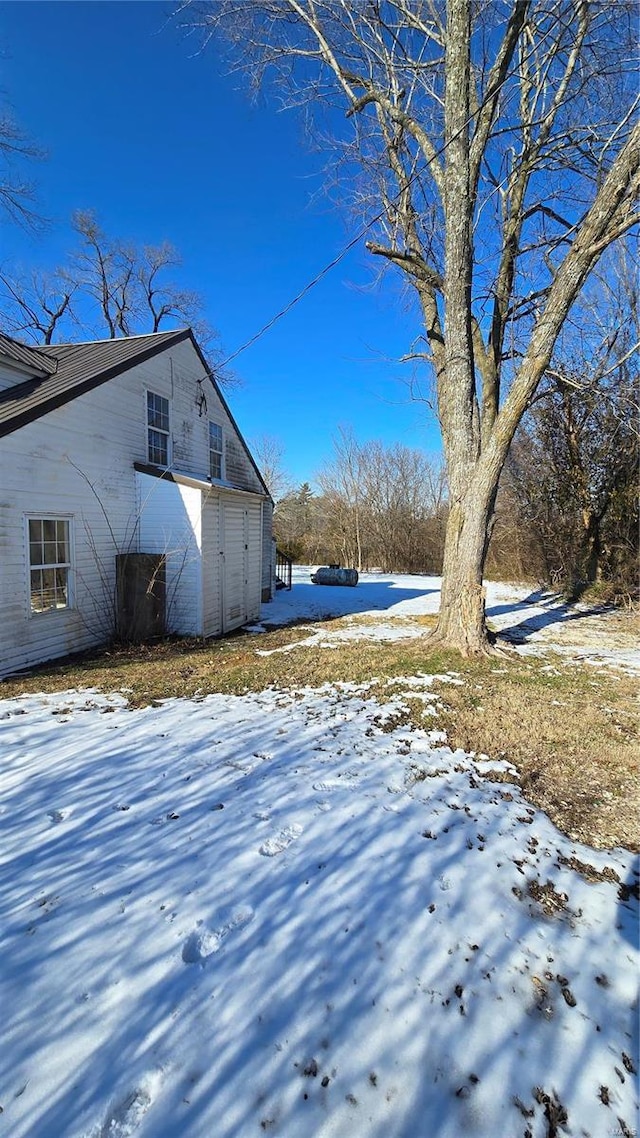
171 525
211 566
77 462
242 557
254 560
233 543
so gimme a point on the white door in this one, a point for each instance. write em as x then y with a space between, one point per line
241 561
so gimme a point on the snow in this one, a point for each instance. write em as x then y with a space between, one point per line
274 914
532 620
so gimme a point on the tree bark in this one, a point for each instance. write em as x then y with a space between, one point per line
461 623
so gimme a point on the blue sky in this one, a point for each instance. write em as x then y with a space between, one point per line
163 145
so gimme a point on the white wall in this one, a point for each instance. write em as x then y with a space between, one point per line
211 566
171 524
77 462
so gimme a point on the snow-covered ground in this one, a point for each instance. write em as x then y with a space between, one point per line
269 914
531 619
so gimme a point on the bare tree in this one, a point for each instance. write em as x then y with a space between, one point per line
343 490
17 192
500 145
579 444
107 271
382 506
107 283
35 304
269 454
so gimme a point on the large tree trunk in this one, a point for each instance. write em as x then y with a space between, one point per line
461 623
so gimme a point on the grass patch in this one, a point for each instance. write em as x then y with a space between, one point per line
571 732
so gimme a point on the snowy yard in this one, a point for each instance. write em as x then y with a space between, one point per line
279 913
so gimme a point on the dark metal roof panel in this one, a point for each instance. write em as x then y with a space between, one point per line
79 368
34 358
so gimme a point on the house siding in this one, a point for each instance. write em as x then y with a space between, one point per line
77 462
171 524
211 558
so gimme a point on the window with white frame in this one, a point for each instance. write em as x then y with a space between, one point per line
49 563
157 429
215 450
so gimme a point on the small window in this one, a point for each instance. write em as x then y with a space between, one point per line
49 564
158 429
215 450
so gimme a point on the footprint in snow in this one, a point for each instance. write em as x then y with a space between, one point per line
329 785
126 1115
58 815
277 844
204 942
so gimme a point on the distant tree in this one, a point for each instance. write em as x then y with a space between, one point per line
108 285
295 524
269 455
496 148
35 304
17 191
578 486
572 476
382 506
343 494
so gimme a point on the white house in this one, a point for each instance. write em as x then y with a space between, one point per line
112 450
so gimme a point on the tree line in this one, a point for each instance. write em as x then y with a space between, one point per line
566 512
377 506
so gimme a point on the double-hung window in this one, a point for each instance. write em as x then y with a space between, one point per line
49 564
157 429
215 450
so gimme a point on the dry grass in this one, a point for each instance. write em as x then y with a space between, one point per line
571 732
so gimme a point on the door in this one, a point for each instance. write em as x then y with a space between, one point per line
233 551
241 551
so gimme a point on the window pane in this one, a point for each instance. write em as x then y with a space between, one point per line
48 588
36 590
158 448
215 436
215 465
50 559
61 588
157 411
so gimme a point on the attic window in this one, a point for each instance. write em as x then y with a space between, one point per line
215 450
158 429
49 564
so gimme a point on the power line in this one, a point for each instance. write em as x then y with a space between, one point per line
336 260
490 94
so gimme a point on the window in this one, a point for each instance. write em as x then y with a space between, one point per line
158 429
215 450
49 564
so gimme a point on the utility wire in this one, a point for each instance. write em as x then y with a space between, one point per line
363 231
339 256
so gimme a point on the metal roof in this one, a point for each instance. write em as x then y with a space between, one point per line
33 358
72 370
82 367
